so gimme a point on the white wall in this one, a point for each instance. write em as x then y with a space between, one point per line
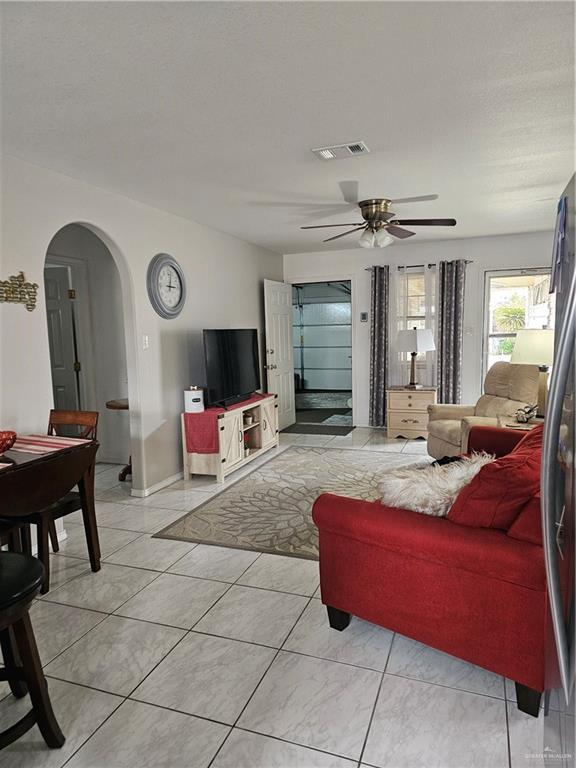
486 253
224 280
100 332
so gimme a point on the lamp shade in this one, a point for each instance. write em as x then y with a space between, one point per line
533 346
415 340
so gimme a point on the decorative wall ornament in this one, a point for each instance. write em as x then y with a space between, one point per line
17 290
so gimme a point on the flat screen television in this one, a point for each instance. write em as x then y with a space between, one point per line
232 365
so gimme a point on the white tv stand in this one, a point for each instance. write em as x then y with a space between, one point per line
233 433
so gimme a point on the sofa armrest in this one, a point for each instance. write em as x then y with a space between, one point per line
496 440
475 421
445 411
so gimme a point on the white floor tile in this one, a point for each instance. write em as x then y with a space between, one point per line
155 554
116 655
139 735
253 615
409 658
74 545
284 574
250 750
314 703
56 627
419 724
207 676
64 569
361 643
79 711
130 517
208 562
179 601
104 590
527 739
384 444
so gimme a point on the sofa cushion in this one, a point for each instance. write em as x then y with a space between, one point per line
513 381
448 430
497 494
528 524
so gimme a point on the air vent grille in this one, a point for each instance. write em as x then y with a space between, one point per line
339 151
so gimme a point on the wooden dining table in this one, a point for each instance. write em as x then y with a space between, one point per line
32 482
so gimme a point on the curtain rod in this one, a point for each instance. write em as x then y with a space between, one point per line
413 266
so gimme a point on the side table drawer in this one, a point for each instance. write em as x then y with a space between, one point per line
417 401
417 420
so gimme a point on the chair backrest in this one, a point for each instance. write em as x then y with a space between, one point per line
86 421
507 387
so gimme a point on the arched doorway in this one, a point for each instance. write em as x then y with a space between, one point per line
85 316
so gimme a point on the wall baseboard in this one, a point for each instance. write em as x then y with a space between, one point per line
141 494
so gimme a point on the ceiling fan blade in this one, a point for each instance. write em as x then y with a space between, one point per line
349 190
402 234
323 226
419 199
426 222
343 234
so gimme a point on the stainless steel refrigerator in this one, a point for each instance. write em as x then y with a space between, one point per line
557 493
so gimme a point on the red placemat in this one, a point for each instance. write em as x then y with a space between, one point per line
45 443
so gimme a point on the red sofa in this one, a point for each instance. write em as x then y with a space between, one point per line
478 593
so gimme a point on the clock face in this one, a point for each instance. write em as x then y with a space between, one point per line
166 286
169 286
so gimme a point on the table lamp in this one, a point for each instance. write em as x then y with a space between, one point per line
535 346
415 341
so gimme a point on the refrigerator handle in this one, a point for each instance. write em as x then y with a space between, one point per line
558 381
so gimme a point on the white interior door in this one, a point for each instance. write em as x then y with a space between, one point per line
61 338
279 349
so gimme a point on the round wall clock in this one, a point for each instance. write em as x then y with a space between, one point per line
166 286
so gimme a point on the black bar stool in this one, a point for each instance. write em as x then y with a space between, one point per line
21 577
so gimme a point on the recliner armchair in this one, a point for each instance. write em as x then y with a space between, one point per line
507 387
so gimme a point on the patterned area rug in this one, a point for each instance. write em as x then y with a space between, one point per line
270 509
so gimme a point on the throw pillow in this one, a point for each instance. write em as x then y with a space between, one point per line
528 524
499 491
430 488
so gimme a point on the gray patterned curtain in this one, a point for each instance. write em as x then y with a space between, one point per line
451 279
379 345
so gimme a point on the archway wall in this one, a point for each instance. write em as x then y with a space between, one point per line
224 279
99 328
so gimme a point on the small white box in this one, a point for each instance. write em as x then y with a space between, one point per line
194 400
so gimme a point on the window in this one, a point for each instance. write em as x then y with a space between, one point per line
414 308
514 300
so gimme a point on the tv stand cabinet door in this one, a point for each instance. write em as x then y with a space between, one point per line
231 439
269 421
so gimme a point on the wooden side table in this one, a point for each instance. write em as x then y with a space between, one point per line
510 423
121 405
407 411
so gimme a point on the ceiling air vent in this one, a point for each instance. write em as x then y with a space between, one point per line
338 151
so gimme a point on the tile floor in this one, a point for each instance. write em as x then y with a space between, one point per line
181 655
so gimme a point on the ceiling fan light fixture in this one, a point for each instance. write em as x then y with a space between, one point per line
366 239
382 238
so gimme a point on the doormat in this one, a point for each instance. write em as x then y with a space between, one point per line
316 429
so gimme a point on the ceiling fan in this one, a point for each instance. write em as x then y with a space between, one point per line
380 225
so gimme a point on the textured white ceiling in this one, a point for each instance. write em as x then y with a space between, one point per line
209 110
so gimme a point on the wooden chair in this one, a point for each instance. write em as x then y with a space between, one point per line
20 580
86 425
